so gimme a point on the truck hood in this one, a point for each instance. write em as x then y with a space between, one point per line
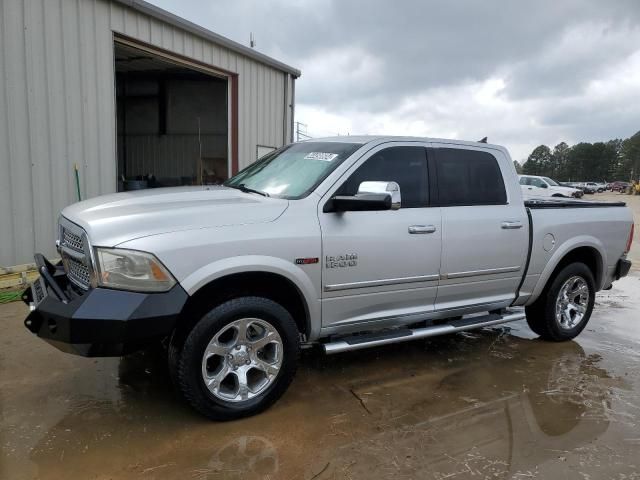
112 219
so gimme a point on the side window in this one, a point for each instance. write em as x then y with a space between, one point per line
469 177
405 165
536 182
524 181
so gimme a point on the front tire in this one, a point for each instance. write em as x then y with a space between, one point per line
238 359
564 307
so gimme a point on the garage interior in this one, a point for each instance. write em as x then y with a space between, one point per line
172 122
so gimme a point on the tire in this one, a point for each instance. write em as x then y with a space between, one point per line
215 351
576 280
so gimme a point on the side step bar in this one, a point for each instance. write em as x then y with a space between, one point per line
357 342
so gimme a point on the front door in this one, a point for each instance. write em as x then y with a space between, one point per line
382 267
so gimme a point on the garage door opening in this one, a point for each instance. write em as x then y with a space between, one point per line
172 122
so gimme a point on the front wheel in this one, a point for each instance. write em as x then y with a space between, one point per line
238 359
564 307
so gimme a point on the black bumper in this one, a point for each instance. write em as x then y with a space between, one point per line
101 322
622 268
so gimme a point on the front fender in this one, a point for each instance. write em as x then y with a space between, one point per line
561 252
259 263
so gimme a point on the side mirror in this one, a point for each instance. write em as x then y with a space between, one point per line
371 196
544 185
388 188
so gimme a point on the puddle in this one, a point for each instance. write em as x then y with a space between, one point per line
497 403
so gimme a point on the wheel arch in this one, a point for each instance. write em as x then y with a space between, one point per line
587 250
285 284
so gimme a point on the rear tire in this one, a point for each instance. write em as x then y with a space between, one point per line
238 359
563 309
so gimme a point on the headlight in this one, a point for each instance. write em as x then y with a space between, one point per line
131 270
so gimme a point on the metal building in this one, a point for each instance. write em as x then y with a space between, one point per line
132 95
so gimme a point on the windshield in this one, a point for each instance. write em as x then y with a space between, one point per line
293 171
553 183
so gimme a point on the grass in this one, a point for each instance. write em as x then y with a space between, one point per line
7 297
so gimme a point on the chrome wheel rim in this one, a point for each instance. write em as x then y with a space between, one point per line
572 302
242 360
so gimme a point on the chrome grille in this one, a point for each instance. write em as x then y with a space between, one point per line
71 240
78 272
75 253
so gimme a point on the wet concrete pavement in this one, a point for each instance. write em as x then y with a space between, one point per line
497 403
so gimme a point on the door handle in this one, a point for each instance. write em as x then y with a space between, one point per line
511 225
421 229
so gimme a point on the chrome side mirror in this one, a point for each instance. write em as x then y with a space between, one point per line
390 188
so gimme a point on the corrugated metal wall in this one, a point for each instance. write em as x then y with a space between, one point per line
57 107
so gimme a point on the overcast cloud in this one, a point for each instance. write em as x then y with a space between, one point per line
521 73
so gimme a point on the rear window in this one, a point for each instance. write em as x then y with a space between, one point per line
469 177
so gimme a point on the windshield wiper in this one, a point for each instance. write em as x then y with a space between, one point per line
243 188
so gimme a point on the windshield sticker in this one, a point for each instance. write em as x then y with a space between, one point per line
325 157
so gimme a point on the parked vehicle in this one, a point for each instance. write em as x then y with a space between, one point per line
586 188
619 186
343 243
535 186
596 187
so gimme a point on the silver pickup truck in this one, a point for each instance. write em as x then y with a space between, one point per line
343 243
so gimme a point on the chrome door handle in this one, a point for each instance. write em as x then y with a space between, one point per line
422 229
511 225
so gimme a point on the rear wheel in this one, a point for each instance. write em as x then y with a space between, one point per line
238 359
565 306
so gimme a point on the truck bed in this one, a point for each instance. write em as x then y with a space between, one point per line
558 202
559 225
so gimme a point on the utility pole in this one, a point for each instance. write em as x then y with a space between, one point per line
301 132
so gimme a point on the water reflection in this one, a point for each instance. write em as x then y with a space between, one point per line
485 403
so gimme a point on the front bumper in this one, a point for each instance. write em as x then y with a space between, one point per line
100 322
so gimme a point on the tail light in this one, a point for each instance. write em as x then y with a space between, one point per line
630 239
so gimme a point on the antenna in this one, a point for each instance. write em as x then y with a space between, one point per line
484 140
252 40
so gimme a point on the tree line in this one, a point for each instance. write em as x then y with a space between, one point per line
601 161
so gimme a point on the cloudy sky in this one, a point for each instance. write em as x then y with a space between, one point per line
520 72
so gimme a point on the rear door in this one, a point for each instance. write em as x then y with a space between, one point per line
382 266
484 228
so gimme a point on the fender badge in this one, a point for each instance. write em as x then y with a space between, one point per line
307 261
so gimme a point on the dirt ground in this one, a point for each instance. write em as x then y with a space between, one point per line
496 403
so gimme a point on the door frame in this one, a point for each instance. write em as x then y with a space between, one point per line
193 64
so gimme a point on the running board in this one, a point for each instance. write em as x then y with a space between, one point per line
357 342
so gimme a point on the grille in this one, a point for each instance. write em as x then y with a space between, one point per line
75 256
78 272
72 240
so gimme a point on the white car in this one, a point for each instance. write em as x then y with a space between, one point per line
534 186
597 186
